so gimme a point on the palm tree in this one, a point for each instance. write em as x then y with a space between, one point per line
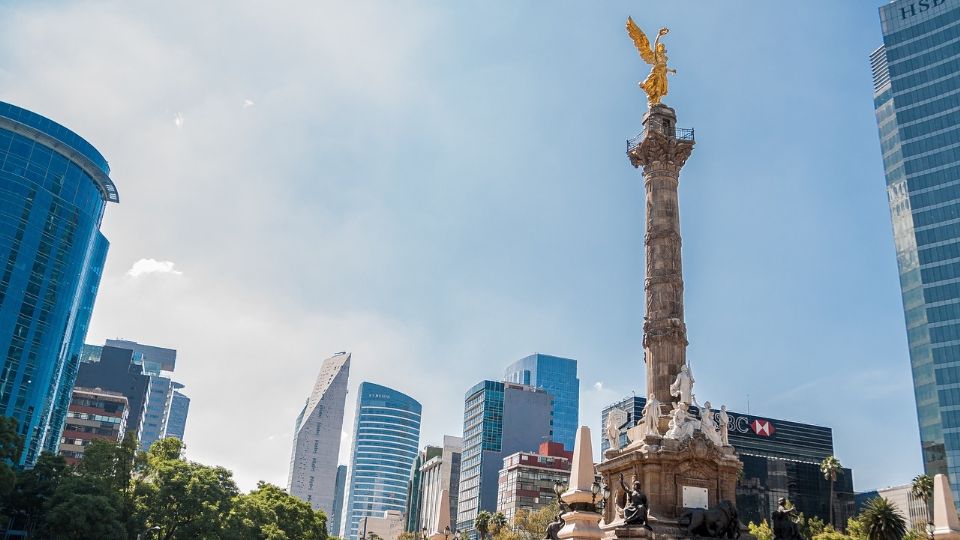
922 488
830 466
482 523
497 521
882 520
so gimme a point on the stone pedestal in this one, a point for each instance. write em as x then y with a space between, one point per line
946 523
581 522
664 469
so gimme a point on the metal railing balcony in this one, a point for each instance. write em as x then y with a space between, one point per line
680 134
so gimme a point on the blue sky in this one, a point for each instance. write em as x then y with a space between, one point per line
441 188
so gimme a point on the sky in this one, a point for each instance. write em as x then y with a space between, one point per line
441 188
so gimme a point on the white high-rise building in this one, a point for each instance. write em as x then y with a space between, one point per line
316 436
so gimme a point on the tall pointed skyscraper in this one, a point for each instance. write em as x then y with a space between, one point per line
316 436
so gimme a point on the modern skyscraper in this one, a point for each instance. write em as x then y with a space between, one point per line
316 436
333 520
158 364
499 419
94 414
558 376
386 435
916 75
54 187
113 369
177 418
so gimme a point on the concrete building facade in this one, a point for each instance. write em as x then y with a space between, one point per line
316 436
113 369
94 414
527 478
439 474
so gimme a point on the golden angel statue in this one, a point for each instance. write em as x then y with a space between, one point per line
655 85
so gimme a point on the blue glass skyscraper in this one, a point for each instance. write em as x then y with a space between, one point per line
917 99
386 438
54 187
558 376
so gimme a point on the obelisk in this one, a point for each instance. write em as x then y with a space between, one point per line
661 150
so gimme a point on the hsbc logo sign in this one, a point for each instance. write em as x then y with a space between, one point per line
762 428
746 425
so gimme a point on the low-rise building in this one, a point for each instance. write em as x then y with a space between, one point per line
912 508
93 414
388 527
527 478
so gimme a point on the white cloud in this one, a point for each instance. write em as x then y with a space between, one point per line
247 103
152 266
598 385
178 120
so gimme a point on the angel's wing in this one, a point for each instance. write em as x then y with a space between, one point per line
640 41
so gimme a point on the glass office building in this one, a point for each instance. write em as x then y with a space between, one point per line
916 77
558 376
386 437
499 419
54 187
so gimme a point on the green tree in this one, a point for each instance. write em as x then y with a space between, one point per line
80 510
830 467
270 513
856 529
922 488
882 521
11 445
761 531
184 499
813 526
529 524
915 534
482 523
34 487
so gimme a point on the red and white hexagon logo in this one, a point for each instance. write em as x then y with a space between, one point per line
762 428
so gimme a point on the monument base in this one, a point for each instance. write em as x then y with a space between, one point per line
659 530
675 475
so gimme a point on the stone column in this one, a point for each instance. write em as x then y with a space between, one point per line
582 521
662 154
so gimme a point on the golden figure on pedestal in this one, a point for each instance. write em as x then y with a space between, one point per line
655 85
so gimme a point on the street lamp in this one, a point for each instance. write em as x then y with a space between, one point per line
155 528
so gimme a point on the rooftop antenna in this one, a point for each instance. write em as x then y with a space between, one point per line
748 403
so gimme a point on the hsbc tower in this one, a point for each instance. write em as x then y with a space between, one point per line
780 459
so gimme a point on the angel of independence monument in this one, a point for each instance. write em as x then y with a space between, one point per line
677 474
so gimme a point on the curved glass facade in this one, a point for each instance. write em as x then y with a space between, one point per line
53 189
386 437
